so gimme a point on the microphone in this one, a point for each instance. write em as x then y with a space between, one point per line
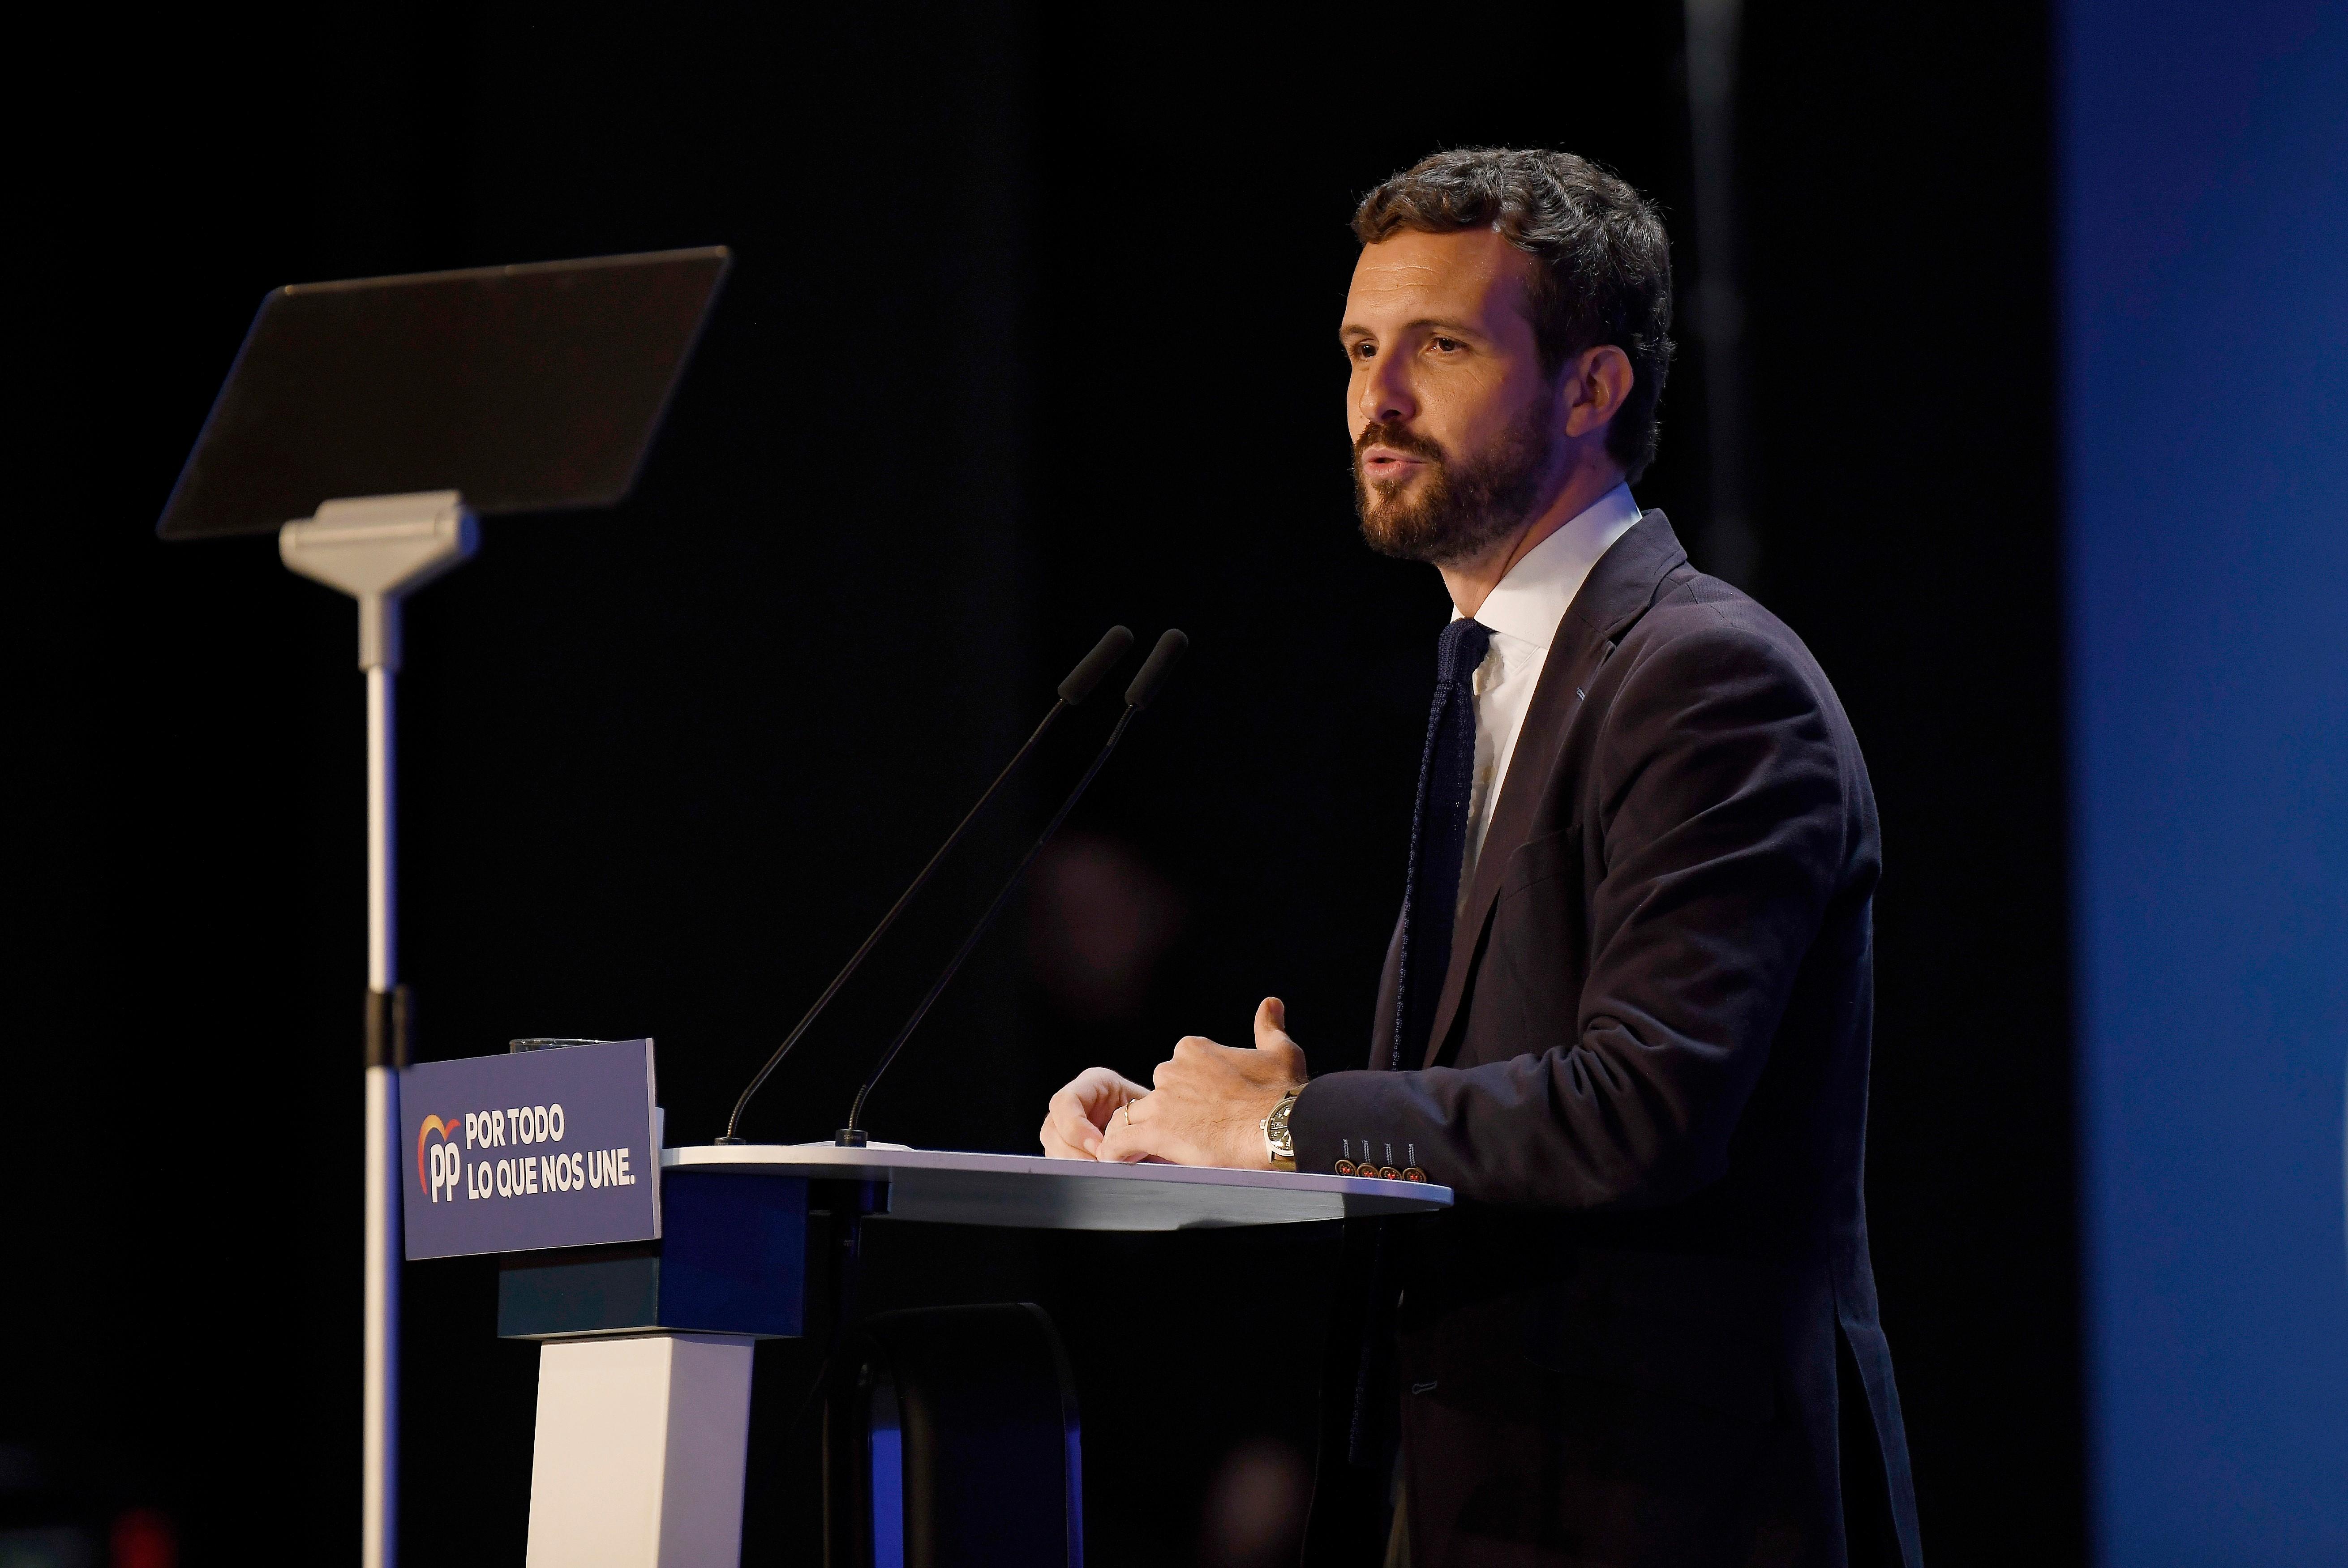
1138 696
1079 685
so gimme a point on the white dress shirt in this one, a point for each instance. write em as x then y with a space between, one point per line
1523 613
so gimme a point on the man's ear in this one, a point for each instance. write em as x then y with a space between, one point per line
1597 383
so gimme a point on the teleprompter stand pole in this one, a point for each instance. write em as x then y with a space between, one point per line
379 549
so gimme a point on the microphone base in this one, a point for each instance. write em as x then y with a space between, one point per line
849 1138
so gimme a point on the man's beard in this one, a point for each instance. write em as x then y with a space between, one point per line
1460 508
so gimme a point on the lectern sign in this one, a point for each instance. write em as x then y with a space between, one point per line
536 1149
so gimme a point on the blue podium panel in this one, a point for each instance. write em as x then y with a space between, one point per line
529 1150
732 1259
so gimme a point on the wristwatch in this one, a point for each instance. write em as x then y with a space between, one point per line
1277 1139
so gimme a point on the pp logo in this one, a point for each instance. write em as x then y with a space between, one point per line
437 1177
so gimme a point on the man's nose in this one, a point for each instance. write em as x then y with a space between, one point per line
1386 397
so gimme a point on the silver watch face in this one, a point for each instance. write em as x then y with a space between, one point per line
1275 1129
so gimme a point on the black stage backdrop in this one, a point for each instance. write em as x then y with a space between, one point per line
1032 330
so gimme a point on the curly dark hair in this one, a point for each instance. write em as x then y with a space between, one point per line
1604 263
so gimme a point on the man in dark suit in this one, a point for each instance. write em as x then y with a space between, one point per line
1627 1010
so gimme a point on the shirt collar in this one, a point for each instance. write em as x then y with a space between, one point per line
1530 601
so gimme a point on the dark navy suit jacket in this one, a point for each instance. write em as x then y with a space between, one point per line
1647 1333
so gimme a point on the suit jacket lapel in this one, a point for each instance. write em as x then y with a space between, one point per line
1617 592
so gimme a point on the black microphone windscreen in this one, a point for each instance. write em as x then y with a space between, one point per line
1097 663
1155 668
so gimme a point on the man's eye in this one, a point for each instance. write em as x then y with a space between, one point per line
1448 344
1365 350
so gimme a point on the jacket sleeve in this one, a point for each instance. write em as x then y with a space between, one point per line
1723 810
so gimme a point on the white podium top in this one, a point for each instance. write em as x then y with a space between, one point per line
1030 1192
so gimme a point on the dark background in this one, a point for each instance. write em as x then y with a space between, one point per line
1031 331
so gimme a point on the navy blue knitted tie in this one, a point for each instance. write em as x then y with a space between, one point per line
1438 836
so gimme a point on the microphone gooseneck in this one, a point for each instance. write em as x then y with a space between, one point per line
1144 690
1080 684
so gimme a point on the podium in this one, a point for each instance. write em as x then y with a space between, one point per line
644 1367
